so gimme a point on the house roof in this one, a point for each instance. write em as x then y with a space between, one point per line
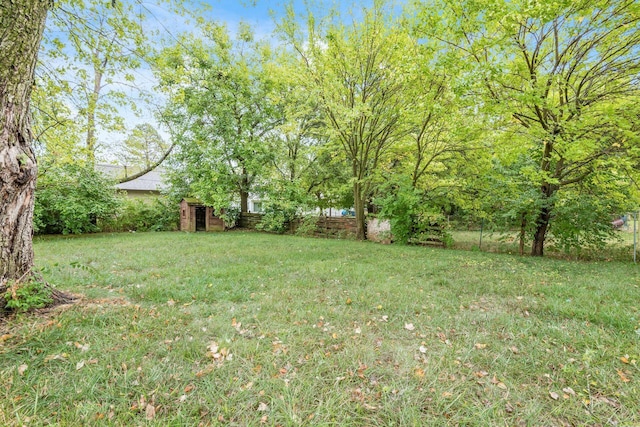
151 181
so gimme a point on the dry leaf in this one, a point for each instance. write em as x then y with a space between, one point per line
79 365
263 407
171 303
92 361
189 388
348 301
150 411
5 337
569 390
55 357
481 374
514 350
22 368
357 330
622 376
419 373
447 394
625 359
409 326
554 395
423 349
480 346
81 347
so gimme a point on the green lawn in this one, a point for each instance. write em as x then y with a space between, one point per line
253 329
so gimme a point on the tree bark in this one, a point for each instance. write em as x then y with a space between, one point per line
21 23
359 203
543 220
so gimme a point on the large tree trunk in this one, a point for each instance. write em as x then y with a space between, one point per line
359 203
21 27
542 221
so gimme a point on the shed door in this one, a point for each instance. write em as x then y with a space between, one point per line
201 218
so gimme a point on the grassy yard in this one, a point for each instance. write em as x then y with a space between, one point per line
253 329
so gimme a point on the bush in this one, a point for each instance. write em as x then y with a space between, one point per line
158 214
73 198
307 226
278 214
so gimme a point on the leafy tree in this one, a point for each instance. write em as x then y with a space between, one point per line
143 147
564 72
356 73
93 66
222 112
73 198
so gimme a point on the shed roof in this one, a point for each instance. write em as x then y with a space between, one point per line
192 201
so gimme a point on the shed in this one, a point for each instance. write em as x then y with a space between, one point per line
195 216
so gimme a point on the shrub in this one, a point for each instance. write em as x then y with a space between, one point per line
72 198
307 226
157 214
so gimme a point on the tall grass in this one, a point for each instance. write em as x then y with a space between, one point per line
320 332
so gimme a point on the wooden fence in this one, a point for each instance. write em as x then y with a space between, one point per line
335 227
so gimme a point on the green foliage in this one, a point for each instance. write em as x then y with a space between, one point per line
307 226
221 111
157 214
413 218
72 198
25 296
143 147
278 215
231 216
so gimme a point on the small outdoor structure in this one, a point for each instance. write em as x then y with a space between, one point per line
195 216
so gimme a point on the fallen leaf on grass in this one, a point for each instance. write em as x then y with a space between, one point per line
623 376
22 368
150 411
5 337
79 365
554 395
480 346
189 388
625 359
422 349
81 347
409 326
263 407
51 357
569 390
